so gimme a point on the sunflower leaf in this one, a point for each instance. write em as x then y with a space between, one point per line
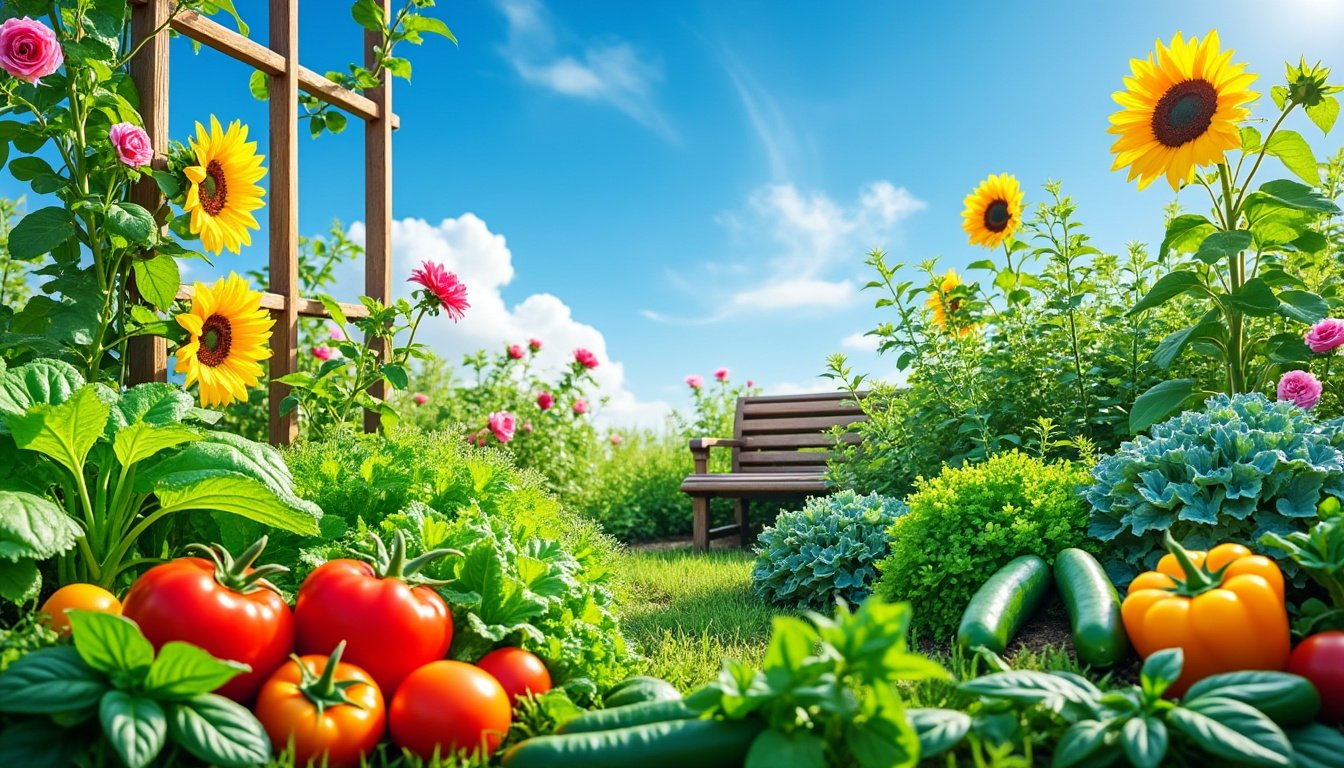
157 279
1295 153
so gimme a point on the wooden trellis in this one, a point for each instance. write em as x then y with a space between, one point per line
280 61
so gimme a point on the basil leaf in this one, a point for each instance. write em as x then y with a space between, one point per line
182 670
773 749
938 729
109 643
1316 746
1161 670
1080 743
218 731
1145 742
135 727
1233 731
39 743
49 681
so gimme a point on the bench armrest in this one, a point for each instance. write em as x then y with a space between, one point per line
700 450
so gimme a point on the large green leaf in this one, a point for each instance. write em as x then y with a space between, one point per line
33 527
1184 234
1255 298
20 581
40 232
497 605
39 743
1210 327
1168 287
49 681
134 725
65 432
1290 194
222 491
1316 746
1080 743
134 223
1219 246
158 279
218 731
939 729
182 670
1303 306
1295 154
110 643
773 749
1232 731
41 381
1145 742
140 440
1159 402
153 403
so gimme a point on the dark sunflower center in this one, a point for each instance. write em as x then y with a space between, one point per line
214 190
1184 112
953 306
996 216
216 336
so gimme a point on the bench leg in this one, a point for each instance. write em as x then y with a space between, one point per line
700 522
743 513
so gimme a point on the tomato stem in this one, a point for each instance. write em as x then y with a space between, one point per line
324 690
391 563
238 574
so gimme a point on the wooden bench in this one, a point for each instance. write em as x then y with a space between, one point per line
779 447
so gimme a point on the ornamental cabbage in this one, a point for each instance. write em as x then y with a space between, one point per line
1241 468
826 550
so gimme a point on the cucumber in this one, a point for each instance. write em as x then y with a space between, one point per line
640 689
1004 603
1099 636
698 743
1287 699
626 716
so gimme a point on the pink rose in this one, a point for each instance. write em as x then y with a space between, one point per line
695 381
751 384
502 424
617 439
324 353
534 344
545 400
421 398
585 358
480 439
1325 336
516 351
1300 388
337 334
29 49
132 144
580 407
721 374
527 426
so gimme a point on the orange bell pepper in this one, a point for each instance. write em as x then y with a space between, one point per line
1224 608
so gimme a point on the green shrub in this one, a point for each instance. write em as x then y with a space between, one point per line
1240 468
967 522
826 550
634 489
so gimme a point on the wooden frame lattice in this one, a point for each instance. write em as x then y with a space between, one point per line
280 61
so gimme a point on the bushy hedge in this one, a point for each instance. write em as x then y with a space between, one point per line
634 489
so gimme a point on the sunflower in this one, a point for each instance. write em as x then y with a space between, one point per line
993 211
229 331
1180 111
223 190
946 307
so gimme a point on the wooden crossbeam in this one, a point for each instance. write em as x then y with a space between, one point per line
303 307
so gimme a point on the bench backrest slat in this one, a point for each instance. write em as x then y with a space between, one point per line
789 433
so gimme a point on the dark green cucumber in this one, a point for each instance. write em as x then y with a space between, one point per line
626 716
1099 636
698 743
1287 699
1004 603
637 690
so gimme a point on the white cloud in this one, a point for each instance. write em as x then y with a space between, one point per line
482 259
611 73
859 342
799 387
796 294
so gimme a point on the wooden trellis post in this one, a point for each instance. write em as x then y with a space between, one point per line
280 61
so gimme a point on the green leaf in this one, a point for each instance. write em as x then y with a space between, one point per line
132 222
212 7
158 279
182 670
1255 298
396 376
773 749
418 23
1250 139
938 729
1159 402
259 83
885 738
1145 742
333 308
1210 327
1079 743
169 183
153 403
134 725
39 743
1303 306
1285 192
369 15
1184 234
1030 687
64 432
41 381
219 491
109 643
1220 246
49 681
218 731
1323 113
1316 746
398 67
40 232
140 440
1161 670
1168 287
1232 731
34 527
20 581
1295 154
336 121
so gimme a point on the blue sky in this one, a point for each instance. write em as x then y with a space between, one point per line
695 183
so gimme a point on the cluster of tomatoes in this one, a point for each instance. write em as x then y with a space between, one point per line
371 643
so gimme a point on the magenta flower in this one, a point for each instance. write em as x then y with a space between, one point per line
29 49
545 400
580 407
480 439
534 344
442 287
617 439
585 358
516 351
132 144
421 398
1325 336
337 334
324 353
751 384
1300 388
695 381
721 374
502 424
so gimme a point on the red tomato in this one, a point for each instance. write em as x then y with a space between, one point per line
449 706
331 710
1320 659
80 597
391 628
224 606
518 671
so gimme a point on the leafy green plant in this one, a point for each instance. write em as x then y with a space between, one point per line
117 464
1319 552
967 522
110 692
1238 469
826 550
634 489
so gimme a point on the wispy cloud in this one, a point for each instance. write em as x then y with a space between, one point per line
773 130
610 73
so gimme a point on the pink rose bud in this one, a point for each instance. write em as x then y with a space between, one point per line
1300 388
421 398
29 49
534 345
695 381
324 353
1325 336
516 351
617 439
502 425
132 144
545 400
751 384
580 407
527 426
585 358
721 374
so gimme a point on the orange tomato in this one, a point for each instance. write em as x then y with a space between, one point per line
332 711
79 597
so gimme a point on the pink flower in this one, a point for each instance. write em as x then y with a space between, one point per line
421 398
751 384
516 351
545 400
324 353
29 49
337 334
502 424
695 381
443 286
585 358
527 426
721 374
1300 388
580 407
534 344
1325 336
480 439
617 439
132 144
